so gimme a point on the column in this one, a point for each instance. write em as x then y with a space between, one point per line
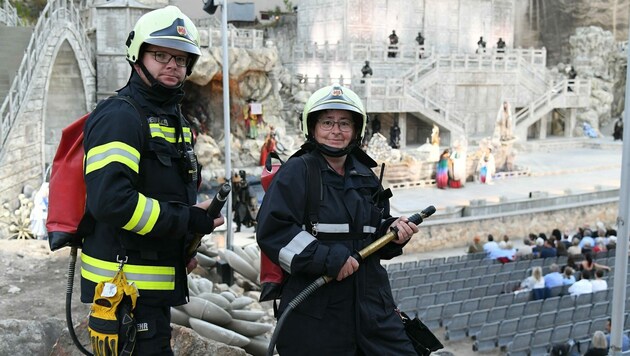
570 125
543 127
402 123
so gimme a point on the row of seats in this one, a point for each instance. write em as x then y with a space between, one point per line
539 342
487 337
477 257
435 282
450 272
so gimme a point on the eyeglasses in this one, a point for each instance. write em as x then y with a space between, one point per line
344 125
164 57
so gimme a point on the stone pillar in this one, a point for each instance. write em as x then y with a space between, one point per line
543 127
570 125
112 68
402 123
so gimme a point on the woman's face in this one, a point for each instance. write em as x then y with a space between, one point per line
340 134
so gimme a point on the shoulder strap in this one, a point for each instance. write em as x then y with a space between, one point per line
314 191
143 115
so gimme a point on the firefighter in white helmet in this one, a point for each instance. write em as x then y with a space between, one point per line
354 315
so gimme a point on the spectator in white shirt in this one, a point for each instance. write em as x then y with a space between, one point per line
583 286
598 283
491 245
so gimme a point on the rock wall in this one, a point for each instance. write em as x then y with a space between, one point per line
459 232
556 20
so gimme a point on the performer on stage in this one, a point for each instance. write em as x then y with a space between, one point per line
442 171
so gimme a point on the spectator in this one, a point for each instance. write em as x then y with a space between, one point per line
572 75
505 253
420 40
586 248
490 245
393 42
575 248
589 264
554 277
612 242
561 249
570 263
539 245
599 345
625 340
600 246
500 45
598 283
583 286
534 281
567 277
556 234
366 70
481 45
526 250
506 238
476 246
587 238
548 250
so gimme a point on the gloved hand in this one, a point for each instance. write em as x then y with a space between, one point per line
199 222
111 325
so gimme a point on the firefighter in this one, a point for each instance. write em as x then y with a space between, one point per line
141 181
354 315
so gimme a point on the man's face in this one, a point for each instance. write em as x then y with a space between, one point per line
170 74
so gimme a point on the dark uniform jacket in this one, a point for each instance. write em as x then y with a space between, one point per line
139 189
340 317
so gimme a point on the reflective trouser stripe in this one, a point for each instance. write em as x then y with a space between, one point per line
144 277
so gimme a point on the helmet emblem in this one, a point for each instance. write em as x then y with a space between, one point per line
181 30
336 92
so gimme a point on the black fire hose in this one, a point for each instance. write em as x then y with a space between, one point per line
71 267
359 256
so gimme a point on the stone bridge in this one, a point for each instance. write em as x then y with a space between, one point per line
53 85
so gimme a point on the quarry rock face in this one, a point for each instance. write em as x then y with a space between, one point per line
557 18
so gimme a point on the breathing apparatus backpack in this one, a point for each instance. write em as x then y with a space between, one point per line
67 220
111 325
272 276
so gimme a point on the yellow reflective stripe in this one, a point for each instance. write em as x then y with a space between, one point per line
156 130
116 151
187 134
145 277
168 133
144 216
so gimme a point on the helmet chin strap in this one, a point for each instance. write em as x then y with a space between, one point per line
335 152
154 82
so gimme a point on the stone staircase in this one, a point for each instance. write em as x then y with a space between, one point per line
13 43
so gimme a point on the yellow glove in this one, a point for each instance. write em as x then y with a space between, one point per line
111 325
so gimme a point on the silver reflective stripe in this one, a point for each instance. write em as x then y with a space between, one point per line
333 228
111 152
369 229
295 247
146 215
130 276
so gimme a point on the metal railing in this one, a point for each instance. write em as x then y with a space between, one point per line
9 15
57 13
237 38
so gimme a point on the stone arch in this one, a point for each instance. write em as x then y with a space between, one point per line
69 90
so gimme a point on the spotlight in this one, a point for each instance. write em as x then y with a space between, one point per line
209 7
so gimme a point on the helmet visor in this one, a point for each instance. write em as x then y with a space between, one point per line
178 44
